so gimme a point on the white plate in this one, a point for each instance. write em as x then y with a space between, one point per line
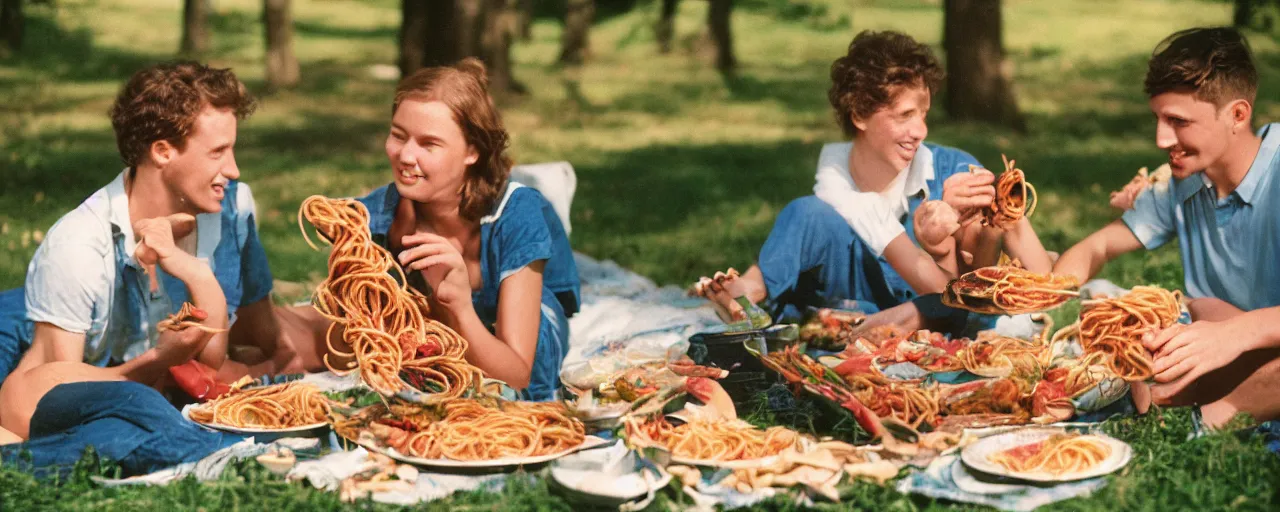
966 482
186 413
587 443
729 464
975 456
628 486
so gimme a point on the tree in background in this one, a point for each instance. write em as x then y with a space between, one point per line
575 44
666 25
525 10
195 27
718 24
978 82
722 33
1242 13
282 64
1254 14
11 24
441 32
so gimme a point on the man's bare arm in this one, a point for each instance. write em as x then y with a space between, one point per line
915 266
1085 259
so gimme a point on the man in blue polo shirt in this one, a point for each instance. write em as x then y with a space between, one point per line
1223 206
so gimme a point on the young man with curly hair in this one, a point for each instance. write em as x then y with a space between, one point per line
862 236
1201 84
174 226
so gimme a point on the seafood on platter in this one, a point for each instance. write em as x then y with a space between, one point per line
831 329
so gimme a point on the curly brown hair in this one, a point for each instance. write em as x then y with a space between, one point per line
163 101
464 88
1213 63
877 66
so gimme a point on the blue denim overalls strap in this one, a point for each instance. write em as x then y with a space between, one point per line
521 228
812 257
227 240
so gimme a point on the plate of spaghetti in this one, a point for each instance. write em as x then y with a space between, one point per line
288 407
718 442
1009 290
1047 455
467 433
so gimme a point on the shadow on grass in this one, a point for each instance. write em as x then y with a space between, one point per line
66 55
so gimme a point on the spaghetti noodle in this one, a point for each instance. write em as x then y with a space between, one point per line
383 320
1059 454
911 404
1115 326
1015 198
1001 356
280 406
471 431
712 440
467 429
188 316
1009 289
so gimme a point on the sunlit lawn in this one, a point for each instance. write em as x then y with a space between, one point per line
681 170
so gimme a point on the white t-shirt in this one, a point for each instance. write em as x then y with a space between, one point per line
73 281
876 217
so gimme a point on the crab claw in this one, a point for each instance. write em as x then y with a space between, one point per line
865 417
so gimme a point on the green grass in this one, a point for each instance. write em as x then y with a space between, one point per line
681 170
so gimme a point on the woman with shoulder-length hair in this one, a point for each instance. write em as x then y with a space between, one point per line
491 254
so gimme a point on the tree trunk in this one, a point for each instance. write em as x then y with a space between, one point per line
1242 15
718 21
195 28
282 64
577 26
498 22
468 20
414 27
666 25
525 8
442 32
978 85
11 23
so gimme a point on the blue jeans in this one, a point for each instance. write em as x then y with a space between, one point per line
812 258
15 331
125 422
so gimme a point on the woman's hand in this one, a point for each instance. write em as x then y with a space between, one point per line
969 192
442 265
